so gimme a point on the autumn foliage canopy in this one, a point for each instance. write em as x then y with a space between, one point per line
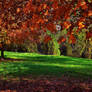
30 19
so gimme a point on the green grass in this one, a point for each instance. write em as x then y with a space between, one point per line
45 65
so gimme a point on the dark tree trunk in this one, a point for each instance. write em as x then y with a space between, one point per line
2 51
2 54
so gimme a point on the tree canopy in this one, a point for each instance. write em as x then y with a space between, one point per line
32 19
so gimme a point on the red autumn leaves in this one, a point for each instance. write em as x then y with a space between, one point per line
46 15
47 38
88 35
51 27
61 39
71 39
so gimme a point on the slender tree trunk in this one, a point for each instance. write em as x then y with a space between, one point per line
83 48
2 54
89 55
2 51
90 48
69 50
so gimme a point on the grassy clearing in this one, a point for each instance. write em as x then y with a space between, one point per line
45 65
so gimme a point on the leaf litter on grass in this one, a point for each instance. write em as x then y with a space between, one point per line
46 84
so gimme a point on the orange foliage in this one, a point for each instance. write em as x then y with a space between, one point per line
81 25
33 16
67 24
51 27
46 13
24 25
61 39
44 6
72 39
18 10
88 35
90 13
83 5
0 21
0 45
40 21
55 4
47 39
31 28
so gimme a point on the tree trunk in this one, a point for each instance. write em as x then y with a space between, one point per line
2 51
69 50
83 48
90 48
89 55
2 54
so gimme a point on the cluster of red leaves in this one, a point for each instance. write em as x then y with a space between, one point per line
17 36
72 39
47 38
88 35
51 27
61 39
46 85
66 24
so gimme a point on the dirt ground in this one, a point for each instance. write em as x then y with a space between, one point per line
63 84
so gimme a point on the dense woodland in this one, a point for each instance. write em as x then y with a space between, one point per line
55 27
55 41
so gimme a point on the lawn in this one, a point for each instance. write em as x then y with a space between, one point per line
32 64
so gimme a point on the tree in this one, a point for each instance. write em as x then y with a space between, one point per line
32 19
46 14
13 23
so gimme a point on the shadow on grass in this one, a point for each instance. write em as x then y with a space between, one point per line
26 69
46 65
10 59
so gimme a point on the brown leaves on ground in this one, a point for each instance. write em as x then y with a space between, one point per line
46 85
